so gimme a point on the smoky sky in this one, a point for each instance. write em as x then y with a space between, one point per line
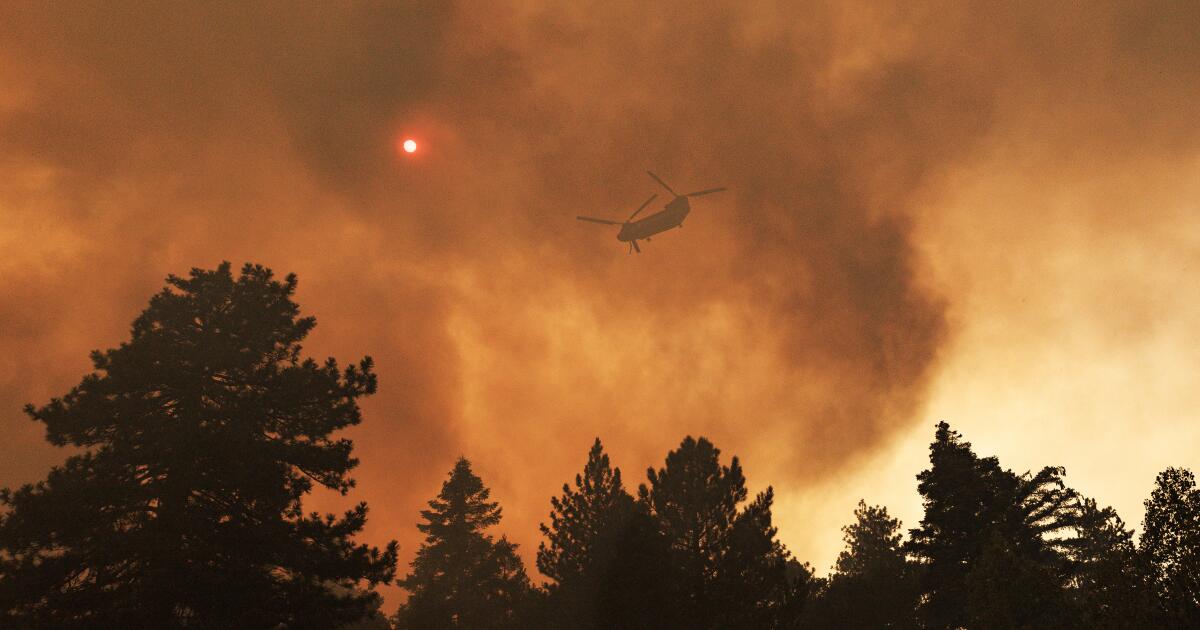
792 319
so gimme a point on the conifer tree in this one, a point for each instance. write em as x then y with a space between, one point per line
197 440
755 583
1108 585
959 495
1171 545
581 540
873 585
872 544
973 505
1008 589
729 567
638 590
462 577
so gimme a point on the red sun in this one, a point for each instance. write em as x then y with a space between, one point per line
409 146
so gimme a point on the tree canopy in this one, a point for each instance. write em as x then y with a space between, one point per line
194 444
729 569
874 584
986 520
581 546
462 577
198 439
1171 546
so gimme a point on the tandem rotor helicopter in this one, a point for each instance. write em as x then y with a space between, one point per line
671 216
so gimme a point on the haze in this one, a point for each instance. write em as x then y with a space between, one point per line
948 211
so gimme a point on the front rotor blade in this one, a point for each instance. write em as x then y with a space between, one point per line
704 192
664 184
643 207
595 220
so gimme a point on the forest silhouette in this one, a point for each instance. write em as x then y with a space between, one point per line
196 441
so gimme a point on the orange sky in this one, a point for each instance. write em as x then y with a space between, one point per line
945 211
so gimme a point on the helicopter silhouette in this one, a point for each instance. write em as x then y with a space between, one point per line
671 216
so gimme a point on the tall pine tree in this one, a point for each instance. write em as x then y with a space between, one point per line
730 571
1171 546
582 539
1109 589
462 577
974 507
959 494
638 590
758 585
873 585
198 439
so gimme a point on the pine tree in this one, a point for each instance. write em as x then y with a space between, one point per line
729 568
755 585
638 592
1171 546
874 585
198 439
581 540
872 544
461 577
973 505
1108 585
1008 589
959 491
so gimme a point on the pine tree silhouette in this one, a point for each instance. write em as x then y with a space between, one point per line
730 571
200 436
1171 545
973 507
874 585
581 540
461 577
1109 586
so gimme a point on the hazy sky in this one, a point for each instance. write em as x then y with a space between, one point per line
943 211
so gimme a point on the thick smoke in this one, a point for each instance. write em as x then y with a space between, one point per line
789 320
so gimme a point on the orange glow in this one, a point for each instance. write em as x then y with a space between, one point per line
984 217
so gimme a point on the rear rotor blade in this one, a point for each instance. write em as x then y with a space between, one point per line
705 192
661 182
595 220
643 207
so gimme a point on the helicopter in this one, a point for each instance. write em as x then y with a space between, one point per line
671 216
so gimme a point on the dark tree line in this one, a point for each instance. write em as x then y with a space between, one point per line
995 550
196 441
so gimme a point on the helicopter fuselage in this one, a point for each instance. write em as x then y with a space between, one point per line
669 217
